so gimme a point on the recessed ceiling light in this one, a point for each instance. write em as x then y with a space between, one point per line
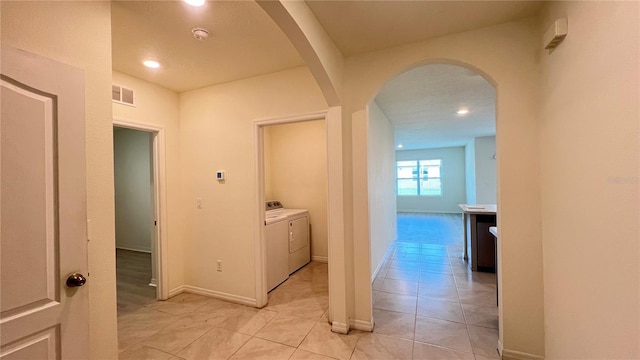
151 64
195 2
462 111
400 146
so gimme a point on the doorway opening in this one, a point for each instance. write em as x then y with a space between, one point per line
291 158
437 122
137 214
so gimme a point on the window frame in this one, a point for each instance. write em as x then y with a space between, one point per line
418 176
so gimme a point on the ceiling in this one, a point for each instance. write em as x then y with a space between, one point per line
422 104
359 26
245 42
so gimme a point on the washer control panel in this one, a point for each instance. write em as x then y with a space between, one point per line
272 205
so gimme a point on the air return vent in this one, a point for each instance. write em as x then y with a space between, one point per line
122 95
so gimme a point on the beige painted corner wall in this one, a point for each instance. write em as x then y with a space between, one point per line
217 133
381 170
297 171
43 28
507 56
589 171
321 44
266 157
159 108
132 166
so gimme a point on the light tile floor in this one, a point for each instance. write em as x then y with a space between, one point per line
427 305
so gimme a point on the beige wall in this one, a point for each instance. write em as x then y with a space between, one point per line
307 35
159 108
470 171
44 28
506 54
358 263
480 170
452 174
133 189
589 172
297 171
485 168
217 134
323 46
382 185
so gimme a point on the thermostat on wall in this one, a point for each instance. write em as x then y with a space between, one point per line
220 175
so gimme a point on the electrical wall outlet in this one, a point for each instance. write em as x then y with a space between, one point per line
219 265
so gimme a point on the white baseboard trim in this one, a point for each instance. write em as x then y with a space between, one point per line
340 328
133 249
219 295
507 354
377 270
361 325
321 259
384 258
176 291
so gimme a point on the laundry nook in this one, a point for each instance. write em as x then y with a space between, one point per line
295 197
287 238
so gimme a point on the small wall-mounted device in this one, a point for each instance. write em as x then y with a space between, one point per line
220 175
556 33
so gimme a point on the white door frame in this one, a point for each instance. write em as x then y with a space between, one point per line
335 211
160 199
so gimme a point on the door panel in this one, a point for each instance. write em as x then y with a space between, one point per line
28 208
39 346
43 209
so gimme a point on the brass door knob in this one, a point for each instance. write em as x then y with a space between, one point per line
76 279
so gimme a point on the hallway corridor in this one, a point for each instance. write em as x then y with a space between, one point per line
427 305
425 292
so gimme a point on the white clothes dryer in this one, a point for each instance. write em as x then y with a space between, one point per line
298 237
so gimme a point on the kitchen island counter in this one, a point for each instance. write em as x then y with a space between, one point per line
479 244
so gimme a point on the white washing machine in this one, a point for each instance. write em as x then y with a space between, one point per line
298 236
276 231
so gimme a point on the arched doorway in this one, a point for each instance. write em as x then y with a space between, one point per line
426 127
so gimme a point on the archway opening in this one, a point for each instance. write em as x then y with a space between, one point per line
430 148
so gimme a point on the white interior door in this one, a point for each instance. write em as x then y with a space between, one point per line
43 210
